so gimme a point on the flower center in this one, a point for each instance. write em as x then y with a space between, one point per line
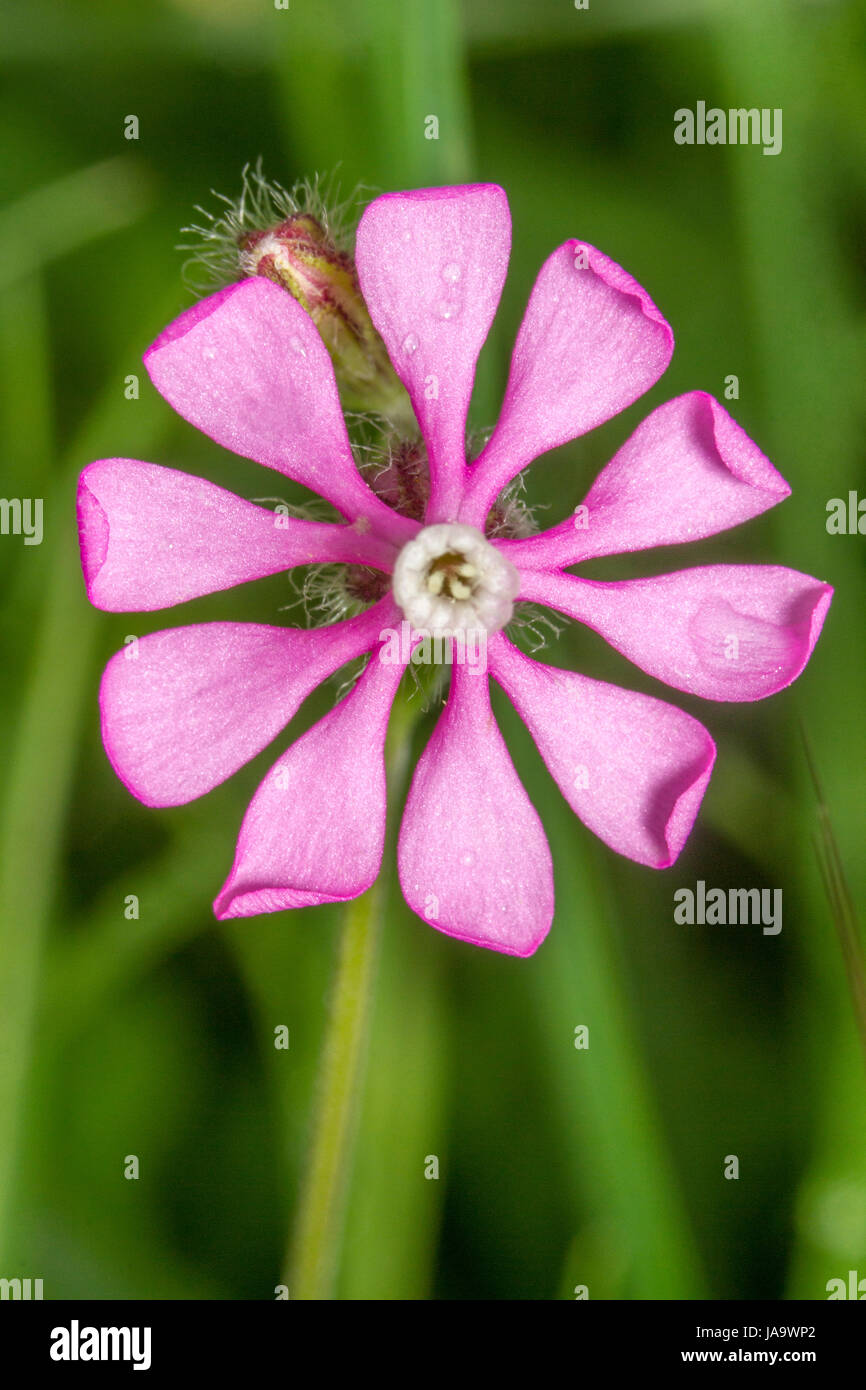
450 578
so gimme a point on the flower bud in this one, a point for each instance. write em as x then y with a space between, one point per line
299 255
299 239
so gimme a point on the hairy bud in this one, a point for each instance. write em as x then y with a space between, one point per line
294 239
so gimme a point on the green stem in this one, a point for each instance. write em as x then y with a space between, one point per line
313 1259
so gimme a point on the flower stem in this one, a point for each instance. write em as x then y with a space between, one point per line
313 1260
314 1254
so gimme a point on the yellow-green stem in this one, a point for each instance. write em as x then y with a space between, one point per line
313 1262
314 1254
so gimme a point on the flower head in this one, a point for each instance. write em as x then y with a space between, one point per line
248 367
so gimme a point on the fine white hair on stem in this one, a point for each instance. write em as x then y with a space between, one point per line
217 253
321 595
534 627
511 515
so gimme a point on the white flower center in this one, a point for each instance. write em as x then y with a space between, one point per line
450 578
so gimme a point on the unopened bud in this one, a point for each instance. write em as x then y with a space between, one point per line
290 238
299 255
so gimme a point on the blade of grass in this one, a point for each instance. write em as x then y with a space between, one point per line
357 85
810 376
103 953
38 782
839 897
617 1154
62 216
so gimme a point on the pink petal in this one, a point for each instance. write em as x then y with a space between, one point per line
247 366
315 828
152 537
185 708
474 860
688 471
590 343
633 768
432 264
726 632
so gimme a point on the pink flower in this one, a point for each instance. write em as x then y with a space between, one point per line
248 368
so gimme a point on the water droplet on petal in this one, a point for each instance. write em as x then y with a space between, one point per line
297 346
451 273
448 309
410 343
469 858
208 354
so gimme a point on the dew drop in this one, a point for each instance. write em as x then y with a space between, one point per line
297 346
208 354
448 309
410 343
451 273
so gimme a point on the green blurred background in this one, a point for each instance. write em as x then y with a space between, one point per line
154 1037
